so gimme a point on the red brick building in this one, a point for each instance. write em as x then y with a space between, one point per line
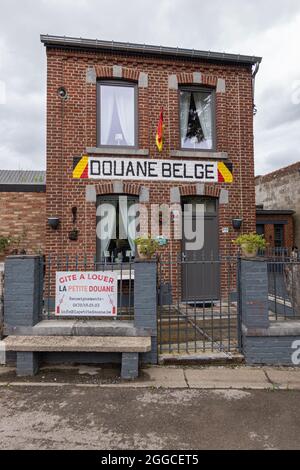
277 226
23 210
103 105
278 194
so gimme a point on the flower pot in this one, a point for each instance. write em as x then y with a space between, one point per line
142 255
248 253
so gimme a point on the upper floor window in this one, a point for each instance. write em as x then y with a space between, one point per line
117 114
196 119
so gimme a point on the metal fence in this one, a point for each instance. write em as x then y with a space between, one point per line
207 320
67 263
283 288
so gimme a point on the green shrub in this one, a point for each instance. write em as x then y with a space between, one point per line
251 241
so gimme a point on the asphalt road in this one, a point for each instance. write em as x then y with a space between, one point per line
90 417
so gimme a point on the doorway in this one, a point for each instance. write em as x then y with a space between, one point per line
200 267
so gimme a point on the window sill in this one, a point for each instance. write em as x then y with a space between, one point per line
199 154
117 151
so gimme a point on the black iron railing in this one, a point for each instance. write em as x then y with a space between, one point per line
284 288
197 306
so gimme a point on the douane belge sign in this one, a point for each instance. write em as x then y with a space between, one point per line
153 170
86 293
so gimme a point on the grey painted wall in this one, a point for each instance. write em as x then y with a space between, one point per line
264 342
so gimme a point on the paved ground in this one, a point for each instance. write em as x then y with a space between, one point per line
89 408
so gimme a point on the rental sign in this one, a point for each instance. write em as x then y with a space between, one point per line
151 169
86 294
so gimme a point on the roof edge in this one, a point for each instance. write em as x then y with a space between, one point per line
123 47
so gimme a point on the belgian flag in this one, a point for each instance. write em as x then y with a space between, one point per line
160 132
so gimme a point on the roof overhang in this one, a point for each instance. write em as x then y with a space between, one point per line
64 42
274 212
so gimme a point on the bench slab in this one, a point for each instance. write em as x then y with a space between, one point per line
122 344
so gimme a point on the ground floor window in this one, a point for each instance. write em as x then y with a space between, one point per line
116 228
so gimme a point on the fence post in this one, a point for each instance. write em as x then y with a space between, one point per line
254 293
23 294
145 303
1 304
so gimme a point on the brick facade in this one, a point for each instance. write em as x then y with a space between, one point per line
288 228
22 216
72 129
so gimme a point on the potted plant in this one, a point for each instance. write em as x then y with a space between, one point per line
250 243
5 242
146 247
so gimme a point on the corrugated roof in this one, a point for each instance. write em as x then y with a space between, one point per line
127 47
22 177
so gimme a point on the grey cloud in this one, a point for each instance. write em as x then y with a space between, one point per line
215 25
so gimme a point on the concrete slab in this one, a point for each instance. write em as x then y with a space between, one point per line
223 377
166 377
155 377
79 328
284 378
78 344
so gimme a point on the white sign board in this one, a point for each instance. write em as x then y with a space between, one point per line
86 294
154 170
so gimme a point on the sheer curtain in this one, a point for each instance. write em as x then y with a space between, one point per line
203 107
128 227
125 106
107 225
107 106
185 99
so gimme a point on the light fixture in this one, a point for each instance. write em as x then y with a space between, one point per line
53 222
62 93
237 223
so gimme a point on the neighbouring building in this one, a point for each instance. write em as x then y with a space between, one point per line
104 101
277 226
279 194
23 210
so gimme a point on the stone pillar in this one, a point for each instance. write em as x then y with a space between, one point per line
130 365
145 303
1 305
23 294
27 363
254 293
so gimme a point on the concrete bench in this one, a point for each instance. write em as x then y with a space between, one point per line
29 347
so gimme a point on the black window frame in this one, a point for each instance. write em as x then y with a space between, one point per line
123 83
279 227
200 89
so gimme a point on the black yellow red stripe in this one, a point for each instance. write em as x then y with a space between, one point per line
225 172
81 167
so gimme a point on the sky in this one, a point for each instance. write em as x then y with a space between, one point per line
267 28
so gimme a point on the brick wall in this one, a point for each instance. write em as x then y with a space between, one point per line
22 215
72 128
288 229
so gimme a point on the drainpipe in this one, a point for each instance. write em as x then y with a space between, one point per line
254 73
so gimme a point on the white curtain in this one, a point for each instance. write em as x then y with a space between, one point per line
132 223
127 226
185 99
107 225
204 113
107 107
125 106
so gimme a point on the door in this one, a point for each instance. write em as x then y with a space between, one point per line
201 268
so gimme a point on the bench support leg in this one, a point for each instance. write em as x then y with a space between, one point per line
27 363
130 365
